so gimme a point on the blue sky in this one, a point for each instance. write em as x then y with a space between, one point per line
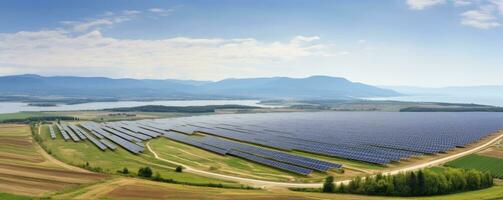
396 42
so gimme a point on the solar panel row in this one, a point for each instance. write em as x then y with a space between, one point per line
74 137
63 132
221 146
372 137
271 163
51 130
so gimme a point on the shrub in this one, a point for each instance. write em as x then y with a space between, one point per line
145 172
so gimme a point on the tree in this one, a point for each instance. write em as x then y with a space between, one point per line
179 169
420 182
355 185
145 172
456 179
390 190
412 182
473 179
125 170
443 184
329 186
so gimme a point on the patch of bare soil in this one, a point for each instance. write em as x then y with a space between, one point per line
493 152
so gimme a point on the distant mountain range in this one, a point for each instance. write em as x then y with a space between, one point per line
480 91
314 87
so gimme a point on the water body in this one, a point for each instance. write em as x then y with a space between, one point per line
13 107
484 100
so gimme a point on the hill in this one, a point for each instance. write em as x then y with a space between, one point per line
315 87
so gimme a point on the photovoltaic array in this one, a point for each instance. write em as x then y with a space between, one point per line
267 138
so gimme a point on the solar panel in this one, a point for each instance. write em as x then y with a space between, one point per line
63 132
51 131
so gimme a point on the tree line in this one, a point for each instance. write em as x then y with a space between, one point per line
420 183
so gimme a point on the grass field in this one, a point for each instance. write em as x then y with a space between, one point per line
479 162
23 115
14 197
25 170
110 161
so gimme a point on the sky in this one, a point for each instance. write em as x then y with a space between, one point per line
430 43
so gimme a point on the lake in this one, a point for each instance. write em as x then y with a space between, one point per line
13 107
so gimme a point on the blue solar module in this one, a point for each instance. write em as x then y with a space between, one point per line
63 132
74 137
108 144
120 134
132 147
128 132
95 141
374 137
271 163
51 131
93 129
184 129
78 131
135 129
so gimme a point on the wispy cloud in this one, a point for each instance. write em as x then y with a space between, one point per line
422 4
160 57
109 18
106 19
482 14
482 18
463 2
163 11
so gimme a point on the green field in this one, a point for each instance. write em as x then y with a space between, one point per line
479 162
24 115
14 197
78 153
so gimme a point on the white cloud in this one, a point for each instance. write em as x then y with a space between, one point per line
499 5
481 14
162 12
421 4
482 18
106 19
463 2
197 57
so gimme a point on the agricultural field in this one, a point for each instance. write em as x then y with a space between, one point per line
26 169
496 151
131 189
23 115
479 162
83 152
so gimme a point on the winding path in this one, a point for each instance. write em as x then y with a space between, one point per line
266 184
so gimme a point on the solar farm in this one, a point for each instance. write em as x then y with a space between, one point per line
378 138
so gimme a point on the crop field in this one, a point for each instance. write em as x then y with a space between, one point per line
479 162
25 170
110 161
132 189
